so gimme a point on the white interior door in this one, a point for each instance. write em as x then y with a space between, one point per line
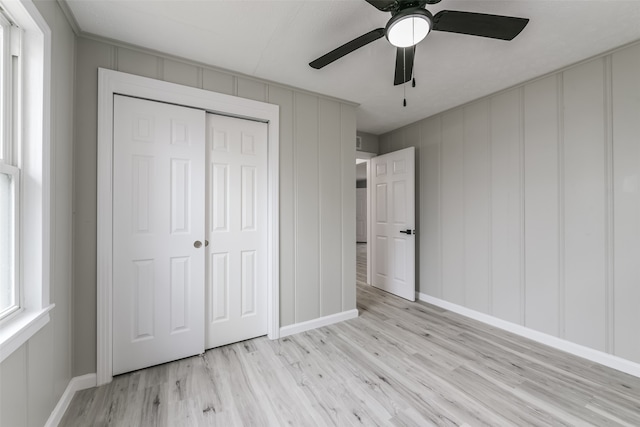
361 215
158 215
393 222
237 230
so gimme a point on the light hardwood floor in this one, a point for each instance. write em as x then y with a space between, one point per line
398 363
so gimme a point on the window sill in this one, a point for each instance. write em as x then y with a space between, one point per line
20 328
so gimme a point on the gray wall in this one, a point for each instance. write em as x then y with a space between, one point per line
369 142
317 195
361 172
529 203
34 377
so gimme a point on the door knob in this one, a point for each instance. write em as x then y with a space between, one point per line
407 231
206 243
197 244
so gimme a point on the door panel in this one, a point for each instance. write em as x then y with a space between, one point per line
179 286
249 282
219 204
219 277
158 203
393 214
237 230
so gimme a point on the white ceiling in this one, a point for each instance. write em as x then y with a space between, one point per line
276 39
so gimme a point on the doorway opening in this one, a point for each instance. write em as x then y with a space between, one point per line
362 227
363 215
390 222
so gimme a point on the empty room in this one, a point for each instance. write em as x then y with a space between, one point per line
319 213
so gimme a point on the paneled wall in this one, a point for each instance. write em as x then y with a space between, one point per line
34 377
369 142
317 192
530 203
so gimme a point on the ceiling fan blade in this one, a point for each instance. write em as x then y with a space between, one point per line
479 24
404 64
347 48
383 5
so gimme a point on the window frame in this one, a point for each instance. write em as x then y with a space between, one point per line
32 157
14 172
9 65
5 115
7 86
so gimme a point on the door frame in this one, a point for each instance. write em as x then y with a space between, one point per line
114 82
367 156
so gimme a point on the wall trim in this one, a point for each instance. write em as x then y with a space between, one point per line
17 331
600 357
114 82
68 14
82 382
296 328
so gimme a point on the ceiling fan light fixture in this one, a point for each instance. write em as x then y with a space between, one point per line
409 27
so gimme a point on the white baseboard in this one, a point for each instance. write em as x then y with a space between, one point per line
597 356
76 384
317 323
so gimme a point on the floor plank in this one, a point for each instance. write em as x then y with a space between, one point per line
398 364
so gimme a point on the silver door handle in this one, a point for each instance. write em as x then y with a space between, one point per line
197 244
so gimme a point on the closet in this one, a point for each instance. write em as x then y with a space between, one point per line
189 231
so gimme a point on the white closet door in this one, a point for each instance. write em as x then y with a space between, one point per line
393 222
158 218
237 230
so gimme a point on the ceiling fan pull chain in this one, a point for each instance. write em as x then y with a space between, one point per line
404 88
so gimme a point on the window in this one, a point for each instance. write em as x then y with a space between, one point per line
25 72
9 285
9 173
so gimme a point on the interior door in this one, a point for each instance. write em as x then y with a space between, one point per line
393 223
158 221
236 229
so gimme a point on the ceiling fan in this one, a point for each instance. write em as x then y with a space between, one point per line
410 23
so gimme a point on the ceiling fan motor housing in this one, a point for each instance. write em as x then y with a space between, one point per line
409 26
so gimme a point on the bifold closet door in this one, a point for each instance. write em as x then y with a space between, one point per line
158 233
237 230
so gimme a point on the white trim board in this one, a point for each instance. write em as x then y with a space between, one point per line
597 356
76 384
296 328
114 82
365 155
17 331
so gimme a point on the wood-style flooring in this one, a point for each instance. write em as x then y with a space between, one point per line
398 364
